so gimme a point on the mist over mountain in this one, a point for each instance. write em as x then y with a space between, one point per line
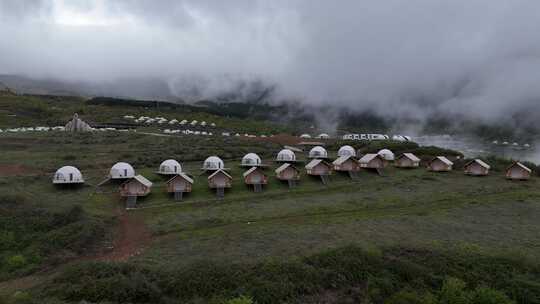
412 63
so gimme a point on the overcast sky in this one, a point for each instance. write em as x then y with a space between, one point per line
478 57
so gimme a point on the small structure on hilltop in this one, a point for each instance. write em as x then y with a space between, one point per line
305 136
170 167
347 163
133 188
289 173
440 164
213 163
346 151
77 125
256 177
68 175
251 160
318 152
518 171
476 167
386 154
179 184
373 161
286 155
407 160
319 167
220 180
122 170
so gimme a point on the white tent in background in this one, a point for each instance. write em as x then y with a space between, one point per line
77 125
323 136
213 163
305 136
318 152
68 175
251 159
386 154
346 151
286 155
170 167
122 170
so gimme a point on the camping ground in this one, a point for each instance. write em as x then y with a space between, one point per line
373 238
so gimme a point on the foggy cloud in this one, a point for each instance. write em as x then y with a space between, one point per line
478 58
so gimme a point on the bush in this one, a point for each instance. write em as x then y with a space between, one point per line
240 300
15 262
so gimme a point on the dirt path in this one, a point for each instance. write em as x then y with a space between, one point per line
16 170
131 237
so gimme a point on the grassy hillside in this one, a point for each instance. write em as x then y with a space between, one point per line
410 235
32 111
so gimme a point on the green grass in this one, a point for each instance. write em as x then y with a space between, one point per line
445 215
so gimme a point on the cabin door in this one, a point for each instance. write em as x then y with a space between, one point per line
179 186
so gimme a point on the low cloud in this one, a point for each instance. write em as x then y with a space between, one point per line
476 58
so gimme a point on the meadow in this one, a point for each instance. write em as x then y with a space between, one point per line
408 236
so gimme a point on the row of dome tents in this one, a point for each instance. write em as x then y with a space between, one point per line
163 120
134 186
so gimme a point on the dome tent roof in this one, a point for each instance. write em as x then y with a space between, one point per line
286 155
213 163
318 152
386 154
346 151
122 170
251 159
170 167
68 175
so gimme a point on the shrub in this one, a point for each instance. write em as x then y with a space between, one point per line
15 262
240 300
484 295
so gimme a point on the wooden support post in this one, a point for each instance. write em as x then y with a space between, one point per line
131 202
220 192
292 183
178 196
257 188
324 179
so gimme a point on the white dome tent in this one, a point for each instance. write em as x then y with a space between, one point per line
170 167
68 175
305 136
386 154
213 163
121 171
346 151
286 155
318 152
251 159
323 136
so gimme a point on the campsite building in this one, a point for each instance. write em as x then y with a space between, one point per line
286 155
133 188
68 175
440 164
407 160
346 163
289 173
256 177
122 170
318 152
251 160
213 163
476 167
372 161
346 151
169 167
220 180
179 184
77 125
319 167
518 171
386 154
